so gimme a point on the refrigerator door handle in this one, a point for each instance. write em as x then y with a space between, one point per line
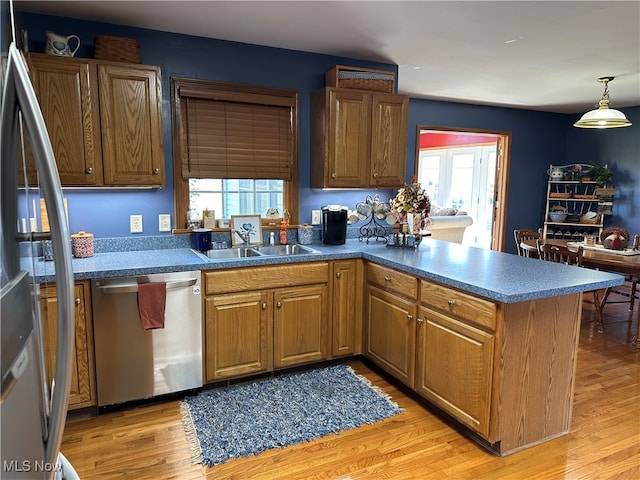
19 95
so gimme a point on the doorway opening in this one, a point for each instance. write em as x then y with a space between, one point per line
467 170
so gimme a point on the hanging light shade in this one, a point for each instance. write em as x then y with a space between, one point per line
603 116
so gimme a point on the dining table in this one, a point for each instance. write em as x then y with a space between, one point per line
626 263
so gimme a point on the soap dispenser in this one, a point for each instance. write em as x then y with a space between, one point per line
283 232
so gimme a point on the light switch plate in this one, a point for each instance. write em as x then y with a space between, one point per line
315 217
135 223
164 222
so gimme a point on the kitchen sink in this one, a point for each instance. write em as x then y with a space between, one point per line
257 251
294 249
236 252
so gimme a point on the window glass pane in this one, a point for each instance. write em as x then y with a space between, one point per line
429 175
236 196
461 189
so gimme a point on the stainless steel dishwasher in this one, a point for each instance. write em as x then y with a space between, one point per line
133 363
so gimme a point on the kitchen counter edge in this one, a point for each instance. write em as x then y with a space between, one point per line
494 275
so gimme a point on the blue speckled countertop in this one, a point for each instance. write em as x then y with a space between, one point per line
498 276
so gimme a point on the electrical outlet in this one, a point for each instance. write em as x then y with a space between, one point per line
315 217
135 222
164 222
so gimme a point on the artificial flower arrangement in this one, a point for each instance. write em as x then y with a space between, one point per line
411 201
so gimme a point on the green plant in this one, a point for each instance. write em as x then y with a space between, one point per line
601 175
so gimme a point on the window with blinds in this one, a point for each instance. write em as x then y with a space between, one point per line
229 131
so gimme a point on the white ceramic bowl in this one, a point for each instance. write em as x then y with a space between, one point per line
557 216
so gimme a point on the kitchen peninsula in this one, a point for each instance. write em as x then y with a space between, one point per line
488 338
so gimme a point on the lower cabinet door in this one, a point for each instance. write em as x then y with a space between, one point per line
83 386
300 331
346 304
390 333
237 335
454 368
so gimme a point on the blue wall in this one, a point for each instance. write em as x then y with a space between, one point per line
538 139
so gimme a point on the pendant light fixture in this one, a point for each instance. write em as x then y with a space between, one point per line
603 116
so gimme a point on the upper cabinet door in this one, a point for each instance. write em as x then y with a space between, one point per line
389 125
131 114
348 138
66 91
358 138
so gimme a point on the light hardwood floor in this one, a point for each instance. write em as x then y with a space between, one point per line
148 442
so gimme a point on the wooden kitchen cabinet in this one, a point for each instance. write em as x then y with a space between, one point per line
390 325
83 383
358 138
347 303
454 368
238 333
67 93
131 125
104 120
263 318
455 352
300 326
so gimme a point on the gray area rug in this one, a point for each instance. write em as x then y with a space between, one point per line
247 419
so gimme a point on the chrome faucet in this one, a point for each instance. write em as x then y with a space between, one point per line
246 237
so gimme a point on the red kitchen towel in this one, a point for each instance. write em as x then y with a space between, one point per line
152 299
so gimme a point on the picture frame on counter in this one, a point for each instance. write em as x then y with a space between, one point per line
224 223
246 224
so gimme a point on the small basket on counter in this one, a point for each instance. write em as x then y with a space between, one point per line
82 244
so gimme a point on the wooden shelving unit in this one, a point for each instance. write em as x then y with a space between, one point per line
585 202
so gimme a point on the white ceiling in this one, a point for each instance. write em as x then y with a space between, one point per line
542 55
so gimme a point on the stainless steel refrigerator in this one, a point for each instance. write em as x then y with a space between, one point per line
32 411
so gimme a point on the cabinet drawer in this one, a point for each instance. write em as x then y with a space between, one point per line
461 305
261 278
392 280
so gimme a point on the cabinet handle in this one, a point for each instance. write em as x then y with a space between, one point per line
89 170
451 302
387 278
334 175
156 171
77 301
339 274
264 306
420 321
279 304
375 175
409 317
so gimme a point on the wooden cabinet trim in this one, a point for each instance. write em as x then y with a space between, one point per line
261 278
392 280
459 304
